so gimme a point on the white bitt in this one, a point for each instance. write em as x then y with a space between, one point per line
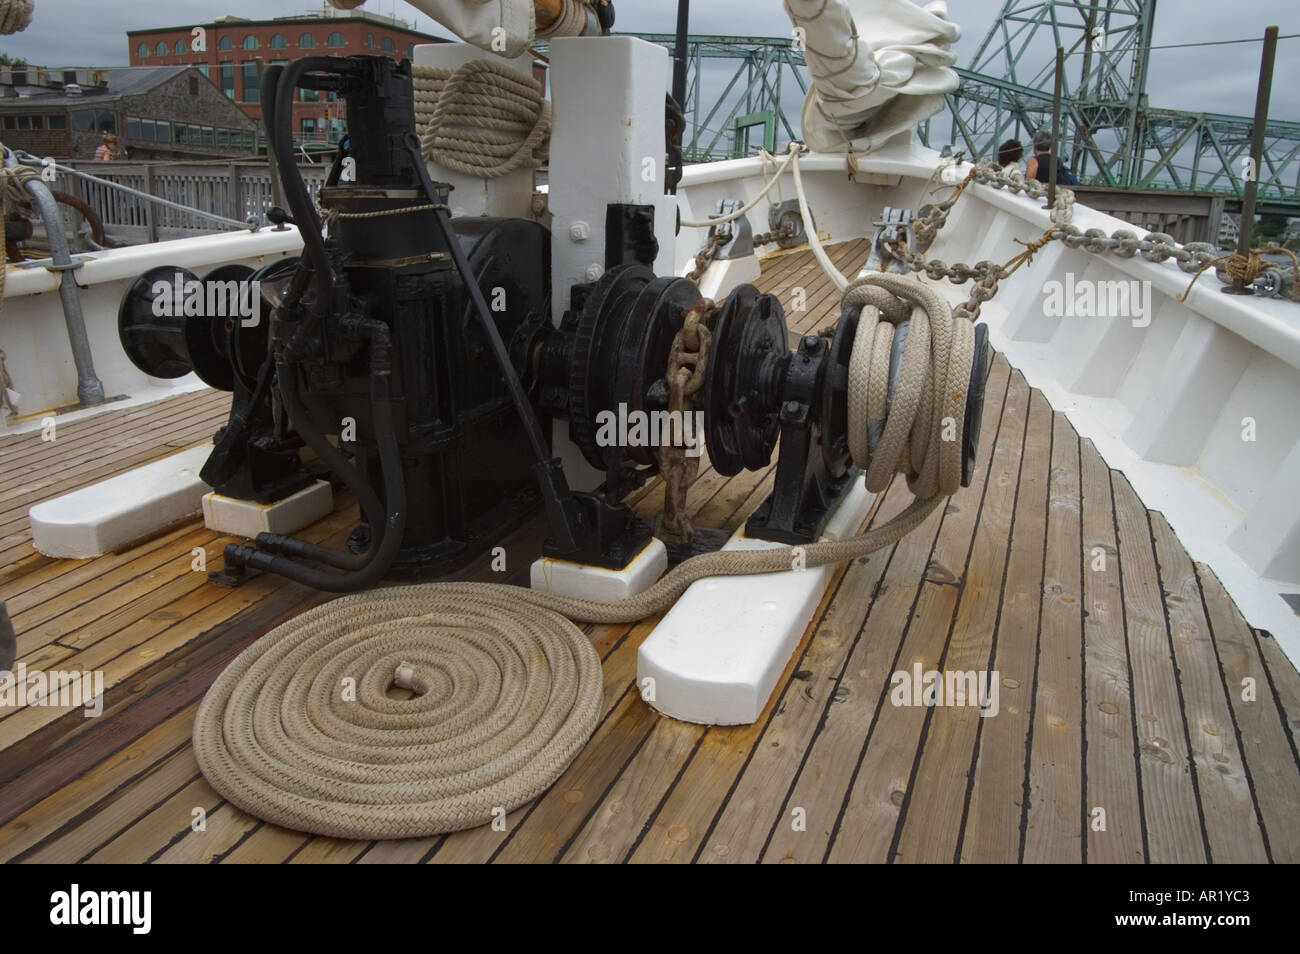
248 518
561 578
109 515
717 655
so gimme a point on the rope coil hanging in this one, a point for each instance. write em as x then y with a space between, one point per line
481 119
15 15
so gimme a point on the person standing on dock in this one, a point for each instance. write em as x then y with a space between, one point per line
1036 168
109 149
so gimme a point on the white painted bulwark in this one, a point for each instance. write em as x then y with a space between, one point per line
108 515
562 578
248 518
717 654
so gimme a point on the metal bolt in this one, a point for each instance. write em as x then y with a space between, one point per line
579 231
810 343
594 272
791 407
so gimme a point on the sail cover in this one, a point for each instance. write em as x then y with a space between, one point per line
878 68
498 26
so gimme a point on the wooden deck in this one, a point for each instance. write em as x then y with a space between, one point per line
1125 677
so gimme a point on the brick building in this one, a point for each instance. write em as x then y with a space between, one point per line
232 51
160 112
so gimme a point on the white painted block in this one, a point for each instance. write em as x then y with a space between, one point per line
112 513
562 578
248 518
717 654
723 277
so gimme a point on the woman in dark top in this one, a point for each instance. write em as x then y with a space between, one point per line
1036 168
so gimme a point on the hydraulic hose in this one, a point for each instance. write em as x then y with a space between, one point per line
387 524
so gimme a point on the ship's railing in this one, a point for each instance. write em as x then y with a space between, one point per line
234 190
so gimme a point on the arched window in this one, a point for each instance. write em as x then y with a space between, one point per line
225 44
180 48
370 41
278 42
306 41
250 42
142 50
335 39
161 49
410 51
386 44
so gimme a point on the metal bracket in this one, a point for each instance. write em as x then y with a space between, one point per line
894 224
738 236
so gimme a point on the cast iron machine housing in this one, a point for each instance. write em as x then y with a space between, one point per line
384 357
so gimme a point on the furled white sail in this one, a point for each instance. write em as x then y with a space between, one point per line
501 26
878 67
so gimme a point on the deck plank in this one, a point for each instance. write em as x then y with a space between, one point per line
1112 785
1259 722
1171 810
982 589
1054 814
1223 785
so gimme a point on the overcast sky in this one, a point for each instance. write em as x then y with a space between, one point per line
1215 79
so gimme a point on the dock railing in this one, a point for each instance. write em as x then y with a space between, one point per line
237 190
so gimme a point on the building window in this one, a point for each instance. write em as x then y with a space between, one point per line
162 131
410 51
308 95
94 120
180 48
306 41
11 122
225 44
223 138
142 51
133 128
308 129
57 121
250 42
161 49
278 42
335 39
386 44
370 41
228 79
252 91
203 68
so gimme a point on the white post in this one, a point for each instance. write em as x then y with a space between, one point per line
607 145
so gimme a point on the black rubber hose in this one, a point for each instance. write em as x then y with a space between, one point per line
337 462
390 528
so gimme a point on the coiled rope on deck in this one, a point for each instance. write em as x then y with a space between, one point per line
482 118
511 686
506 697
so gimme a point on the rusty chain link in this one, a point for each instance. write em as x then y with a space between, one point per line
687 362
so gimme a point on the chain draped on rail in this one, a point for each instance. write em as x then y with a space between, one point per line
482 118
